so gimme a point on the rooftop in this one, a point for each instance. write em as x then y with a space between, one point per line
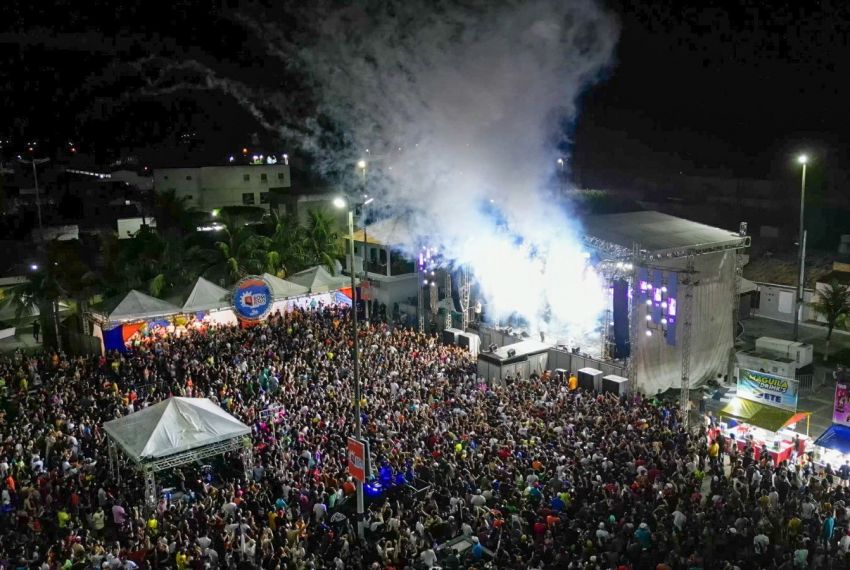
655 231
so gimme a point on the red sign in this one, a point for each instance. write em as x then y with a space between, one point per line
357 459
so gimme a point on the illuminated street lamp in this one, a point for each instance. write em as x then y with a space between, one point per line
801 258
342 203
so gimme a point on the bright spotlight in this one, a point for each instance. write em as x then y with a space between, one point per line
339 203
361 164
34 267
803 159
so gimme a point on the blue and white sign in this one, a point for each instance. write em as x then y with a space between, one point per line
252 299
768 389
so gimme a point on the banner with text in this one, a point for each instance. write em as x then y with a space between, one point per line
841 409
768 389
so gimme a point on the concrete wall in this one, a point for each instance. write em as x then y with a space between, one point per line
210 187
777 302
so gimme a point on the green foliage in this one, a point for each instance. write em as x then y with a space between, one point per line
832 302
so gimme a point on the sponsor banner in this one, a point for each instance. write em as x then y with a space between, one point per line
357 459
768 389
841 409
252 299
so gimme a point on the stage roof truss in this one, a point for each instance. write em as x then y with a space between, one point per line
614 252
193 455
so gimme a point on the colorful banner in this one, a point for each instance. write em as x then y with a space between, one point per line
841 409
357 459
768 389
252 299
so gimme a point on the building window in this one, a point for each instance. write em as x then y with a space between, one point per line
264 177
248 198
165 177
280 176
246 177
188 178
264 197
172 189
190 197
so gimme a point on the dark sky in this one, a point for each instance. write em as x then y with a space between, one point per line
698 86
710 85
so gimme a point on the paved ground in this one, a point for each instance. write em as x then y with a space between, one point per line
23 339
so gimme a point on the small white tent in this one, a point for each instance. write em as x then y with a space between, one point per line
206 296
283 289
319 280
137 306
173 426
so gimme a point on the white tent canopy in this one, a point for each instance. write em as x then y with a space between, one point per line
173 426
283 289
206 296
9 311
319 280
137 306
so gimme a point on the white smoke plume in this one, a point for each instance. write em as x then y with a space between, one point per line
461 105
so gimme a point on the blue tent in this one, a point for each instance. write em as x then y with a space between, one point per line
837 437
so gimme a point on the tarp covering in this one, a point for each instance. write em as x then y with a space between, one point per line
9 311
172 426
206 296
658 364
319 280
283 289
136 306
759 415
836 437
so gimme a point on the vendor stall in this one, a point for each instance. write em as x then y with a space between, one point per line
833 445
762 426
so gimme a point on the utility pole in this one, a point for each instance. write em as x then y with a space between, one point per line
35 162
801 260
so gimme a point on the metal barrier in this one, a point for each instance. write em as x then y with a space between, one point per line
806 381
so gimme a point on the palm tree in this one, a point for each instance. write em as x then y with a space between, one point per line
324 245
287 252
239 251
832 302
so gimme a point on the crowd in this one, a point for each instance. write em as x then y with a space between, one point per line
530 473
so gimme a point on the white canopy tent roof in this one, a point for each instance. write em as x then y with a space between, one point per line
319 280
137 306
173 426
206 296
283 289
9 311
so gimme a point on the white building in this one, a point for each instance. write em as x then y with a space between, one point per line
392 277
207 188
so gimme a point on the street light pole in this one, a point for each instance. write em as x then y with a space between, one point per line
801 255
35 162
358 426
361 164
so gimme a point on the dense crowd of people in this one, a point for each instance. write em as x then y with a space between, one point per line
529 473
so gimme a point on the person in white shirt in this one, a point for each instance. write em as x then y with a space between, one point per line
428 557
761 543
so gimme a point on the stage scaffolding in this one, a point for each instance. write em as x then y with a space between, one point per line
149 468
618 256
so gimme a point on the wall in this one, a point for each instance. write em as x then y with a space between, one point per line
775 303
210 187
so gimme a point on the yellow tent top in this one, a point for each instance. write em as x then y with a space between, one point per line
759 415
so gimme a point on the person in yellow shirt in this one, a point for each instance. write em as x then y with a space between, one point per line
181 560
572 383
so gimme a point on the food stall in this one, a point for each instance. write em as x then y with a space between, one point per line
745 421
763 414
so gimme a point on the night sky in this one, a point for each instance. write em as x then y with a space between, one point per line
697 86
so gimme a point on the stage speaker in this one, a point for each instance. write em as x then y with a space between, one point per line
463 341
449 337
622 349
511 353
615 384
590 379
